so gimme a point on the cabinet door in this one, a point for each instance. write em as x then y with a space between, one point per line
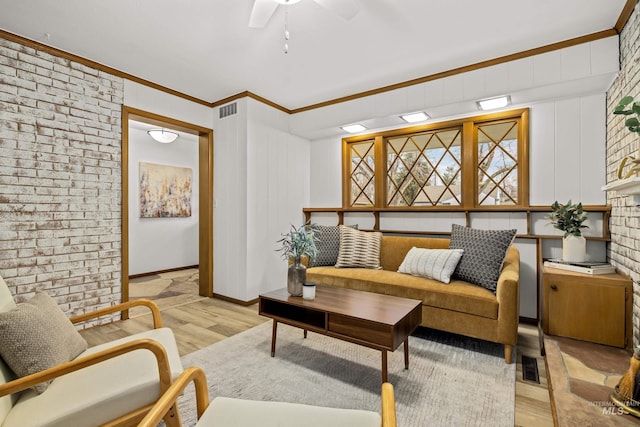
586 311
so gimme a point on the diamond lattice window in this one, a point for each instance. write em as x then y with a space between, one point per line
498 163
476 162
424 169
362 173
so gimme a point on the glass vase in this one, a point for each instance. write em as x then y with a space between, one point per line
296 276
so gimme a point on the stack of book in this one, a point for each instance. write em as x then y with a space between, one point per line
589 267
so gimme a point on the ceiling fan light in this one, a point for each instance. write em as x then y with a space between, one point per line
493 103
354 128
416 117
162 135
287 1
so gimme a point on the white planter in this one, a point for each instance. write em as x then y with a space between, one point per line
574 249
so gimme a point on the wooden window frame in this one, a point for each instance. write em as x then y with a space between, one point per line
469 157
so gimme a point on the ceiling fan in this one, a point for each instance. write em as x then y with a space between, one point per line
264 9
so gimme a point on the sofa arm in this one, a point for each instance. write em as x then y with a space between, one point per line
155 311
155 347
508 296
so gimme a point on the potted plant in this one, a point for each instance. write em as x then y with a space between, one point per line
298 243
627 107
569 218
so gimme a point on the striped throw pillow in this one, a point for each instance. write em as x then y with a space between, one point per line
437 264
359 248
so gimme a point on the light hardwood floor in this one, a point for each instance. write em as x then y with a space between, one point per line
200 322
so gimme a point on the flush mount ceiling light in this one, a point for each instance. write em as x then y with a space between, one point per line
162 135
493 103
355 128
419 116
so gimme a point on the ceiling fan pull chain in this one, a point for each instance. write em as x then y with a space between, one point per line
286 29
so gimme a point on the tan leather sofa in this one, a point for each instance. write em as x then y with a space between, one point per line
457 307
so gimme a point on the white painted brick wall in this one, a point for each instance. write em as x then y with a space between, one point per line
60 179
624 250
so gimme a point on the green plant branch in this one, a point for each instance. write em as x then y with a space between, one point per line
568 218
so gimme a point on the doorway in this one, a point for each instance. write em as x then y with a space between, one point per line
205 183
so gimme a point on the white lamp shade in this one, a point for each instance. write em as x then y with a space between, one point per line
162 135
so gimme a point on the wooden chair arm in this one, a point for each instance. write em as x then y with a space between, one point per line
168 399
155 347
195 374
388 406
155 311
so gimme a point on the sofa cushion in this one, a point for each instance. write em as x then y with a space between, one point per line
456 296
98 393
358 248
327 244
37 335
437 264
229 412
395 248
484 253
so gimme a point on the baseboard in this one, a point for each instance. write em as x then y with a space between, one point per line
235 301
153 273
528 321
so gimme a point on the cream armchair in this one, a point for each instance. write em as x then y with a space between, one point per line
228 412
113 384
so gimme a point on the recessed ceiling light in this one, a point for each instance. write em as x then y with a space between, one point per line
420 116
493 103
162 135
355 128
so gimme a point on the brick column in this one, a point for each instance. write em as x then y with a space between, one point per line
624 250
60 179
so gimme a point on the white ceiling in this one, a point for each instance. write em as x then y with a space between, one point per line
204 48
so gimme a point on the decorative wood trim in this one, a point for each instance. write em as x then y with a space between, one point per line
626 13
98 66
465 69
627 10
247 94
205 224
205 167
380 178
604 209
469 158
235 301
469 155
523 160
169 270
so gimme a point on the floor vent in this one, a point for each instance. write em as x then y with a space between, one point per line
530 369
228 110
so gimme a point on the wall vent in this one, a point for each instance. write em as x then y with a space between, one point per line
228 110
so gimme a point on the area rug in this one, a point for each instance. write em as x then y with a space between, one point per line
451 380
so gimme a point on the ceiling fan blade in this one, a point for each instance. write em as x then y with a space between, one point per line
261 12
345 8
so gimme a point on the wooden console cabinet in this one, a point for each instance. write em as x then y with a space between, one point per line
595 308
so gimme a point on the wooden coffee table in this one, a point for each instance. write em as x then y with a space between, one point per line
377 321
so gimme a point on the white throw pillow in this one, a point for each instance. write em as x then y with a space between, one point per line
437 264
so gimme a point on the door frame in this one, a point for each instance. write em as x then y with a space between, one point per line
205 182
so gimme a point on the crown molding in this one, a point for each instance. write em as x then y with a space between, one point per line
622 20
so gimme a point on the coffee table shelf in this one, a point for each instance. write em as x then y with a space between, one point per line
302 316
377 321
